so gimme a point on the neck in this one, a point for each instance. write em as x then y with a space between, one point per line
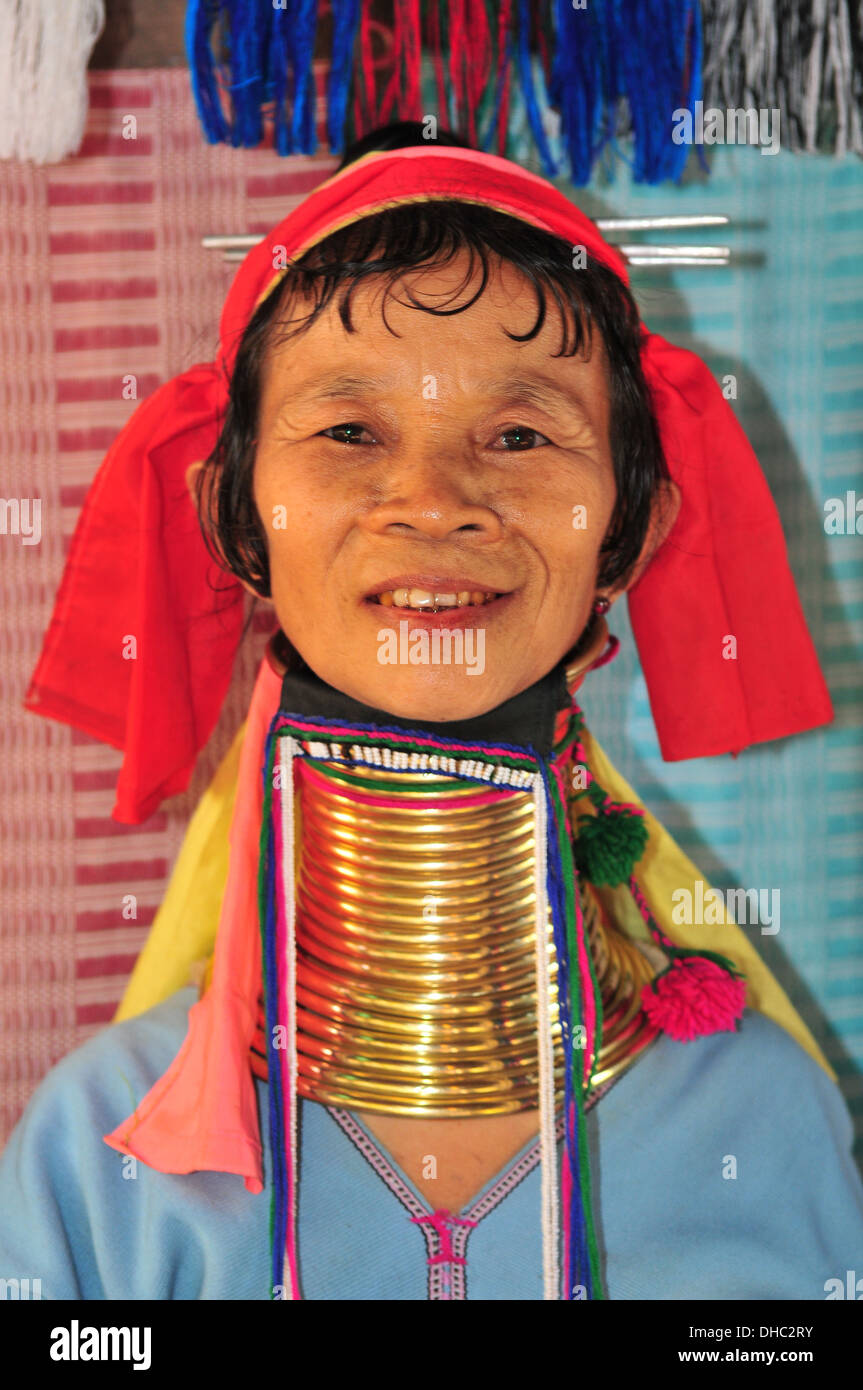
416 923
303 691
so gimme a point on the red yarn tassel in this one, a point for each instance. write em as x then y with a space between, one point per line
392 90
504 23
478 58
457 41
543 28
434 44
410 106
404 83
366 121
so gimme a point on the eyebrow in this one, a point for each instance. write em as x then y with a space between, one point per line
327 387
534 389
537 390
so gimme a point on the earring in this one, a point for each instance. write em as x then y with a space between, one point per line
601 604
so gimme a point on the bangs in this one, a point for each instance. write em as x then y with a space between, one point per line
430 235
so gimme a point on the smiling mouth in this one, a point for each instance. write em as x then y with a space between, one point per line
433 601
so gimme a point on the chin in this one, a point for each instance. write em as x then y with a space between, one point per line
442 698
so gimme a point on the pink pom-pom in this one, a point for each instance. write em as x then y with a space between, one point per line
695 997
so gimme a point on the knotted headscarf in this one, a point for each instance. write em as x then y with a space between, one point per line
138 566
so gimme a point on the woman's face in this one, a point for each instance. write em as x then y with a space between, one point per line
434 502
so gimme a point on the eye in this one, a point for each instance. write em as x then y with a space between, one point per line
525 438
350 432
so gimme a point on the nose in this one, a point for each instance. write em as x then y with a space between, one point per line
427 496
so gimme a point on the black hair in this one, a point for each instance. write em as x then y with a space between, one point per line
396 137
386 244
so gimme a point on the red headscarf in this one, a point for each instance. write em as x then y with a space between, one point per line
138 567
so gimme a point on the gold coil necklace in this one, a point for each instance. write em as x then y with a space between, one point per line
415 946
415 922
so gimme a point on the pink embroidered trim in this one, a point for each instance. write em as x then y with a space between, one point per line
334 732
480 798
446 1244
443 1223
446 1263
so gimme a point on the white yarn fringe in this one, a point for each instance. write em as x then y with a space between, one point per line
45 46
550 1199
286 766
804 60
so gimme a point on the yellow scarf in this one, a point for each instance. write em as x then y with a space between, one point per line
182 937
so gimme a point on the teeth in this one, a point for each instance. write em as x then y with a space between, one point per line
424 599
420 598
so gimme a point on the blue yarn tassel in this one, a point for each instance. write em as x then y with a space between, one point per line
304 132
271 48
277 64
486 142
525 71
201 15
346 18
612 86
647 53
692 36
249 27
658 43
291 78
577 83
246 23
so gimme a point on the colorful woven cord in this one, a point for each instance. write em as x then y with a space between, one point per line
505 766
699 992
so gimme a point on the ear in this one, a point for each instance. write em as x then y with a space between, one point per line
663 514
192 484
191 481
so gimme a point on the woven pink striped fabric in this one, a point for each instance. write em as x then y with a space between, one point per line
104 279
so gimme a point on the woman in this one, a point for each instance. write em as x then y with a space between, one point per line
448 1011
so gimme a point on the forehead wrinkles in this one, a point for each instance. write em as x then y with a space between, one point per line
459 295
508 297
377 360
361 370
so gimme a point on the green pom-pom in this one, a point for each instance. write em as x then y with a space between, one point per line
608 846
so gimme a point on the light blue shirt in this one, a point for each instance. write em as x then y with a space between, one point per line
722 1168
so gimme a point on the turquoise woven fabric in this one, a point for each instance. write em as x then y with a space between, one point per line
788 324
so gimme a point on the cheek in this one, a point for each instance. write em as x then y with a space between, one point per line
288 508
306 524
567 519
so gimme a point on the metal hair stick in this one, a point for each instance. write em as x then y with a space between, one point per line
640 254
648 224
698 253
637 253
664 261
229 243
